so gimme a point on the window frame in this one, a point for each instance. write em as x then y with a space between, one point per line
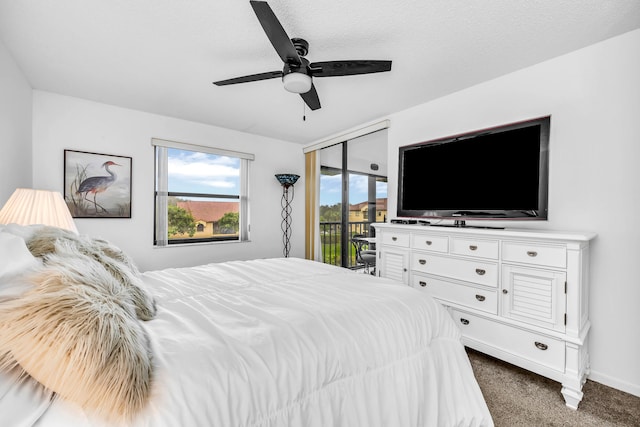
161 193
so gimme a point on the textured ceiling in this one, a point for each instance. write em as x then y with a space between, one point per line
162 56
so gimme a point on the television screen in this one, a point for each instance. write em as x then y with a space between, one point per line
499 173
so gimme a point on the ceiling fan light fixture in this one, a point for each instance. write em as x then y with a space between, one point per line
297 82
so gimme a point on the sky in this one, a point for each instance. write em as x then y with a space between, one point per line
195 172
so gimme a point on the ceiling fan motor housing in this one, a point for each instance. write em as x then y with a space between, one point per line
301 45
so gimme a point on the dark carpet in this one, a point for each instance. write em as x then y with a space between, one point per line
517 397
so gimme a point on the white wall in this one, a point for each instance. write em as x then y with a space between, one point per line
61 122
15 127
593 97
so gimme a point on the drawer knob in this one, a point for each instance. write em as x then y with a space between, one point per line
394 238
422 261
504 291
480 297
473 247
464 321
428 242
532 253
541 346
422 283
480 271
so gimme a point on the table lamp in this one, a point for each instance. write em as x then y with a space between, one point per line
27 206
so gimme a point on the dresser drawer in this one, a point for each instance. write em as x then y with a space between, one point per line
476 248
395 239
454 293
481 272
535 254
427 242
541 349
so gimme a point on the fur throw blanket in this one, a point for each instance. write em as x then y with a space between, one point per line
78 330
51 240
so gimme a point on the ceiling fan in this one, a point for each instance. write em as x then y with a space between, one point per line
297 73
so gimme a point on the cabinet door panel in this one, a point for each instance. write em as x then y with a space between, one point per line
394 265
534 296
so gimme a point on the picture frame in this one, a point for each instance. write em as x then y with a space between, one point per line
97 185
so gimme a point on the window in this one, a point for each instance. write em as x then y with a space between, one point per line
201 194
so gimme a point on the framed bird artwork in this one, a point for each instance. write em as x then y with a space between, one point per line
97 185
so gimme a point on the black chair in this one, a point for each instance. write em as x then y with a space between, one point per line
365 257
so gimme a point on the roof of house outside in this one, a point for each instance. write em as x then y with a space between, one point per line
208 211
381 205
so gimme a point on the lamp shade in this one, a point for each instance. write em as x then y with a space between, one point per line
27 206
287 179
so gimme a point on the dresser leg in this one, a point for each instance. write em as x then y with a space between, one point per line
576 371
572 397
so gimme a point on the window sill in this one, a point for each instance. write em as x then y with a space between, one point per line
220 242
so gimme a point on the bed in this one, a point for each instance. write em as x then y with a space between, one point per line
265 342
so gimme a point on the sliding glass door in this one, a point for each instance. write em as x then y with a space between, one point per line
331 195
353 194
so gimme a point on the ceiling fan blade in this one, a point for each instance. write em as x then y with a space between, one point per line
348 68
250 78
276 34
311 98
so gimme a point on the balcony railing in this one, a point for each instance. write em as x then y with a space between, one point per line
330 239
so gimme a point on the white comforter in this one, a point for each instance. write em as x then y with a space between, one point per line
290 342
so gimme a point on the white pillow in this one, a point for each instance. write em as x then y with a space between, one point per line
22 399
24 231
16 260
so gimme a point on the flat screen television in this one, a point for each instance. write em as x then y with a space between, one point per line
498 173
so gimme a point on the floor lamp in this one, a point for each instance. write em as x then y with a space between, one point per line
286 180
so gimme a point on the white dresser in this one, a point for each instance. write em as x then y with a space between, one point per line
519 295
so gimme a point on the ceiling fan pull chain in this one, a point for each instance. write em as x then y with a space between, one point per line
304 111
